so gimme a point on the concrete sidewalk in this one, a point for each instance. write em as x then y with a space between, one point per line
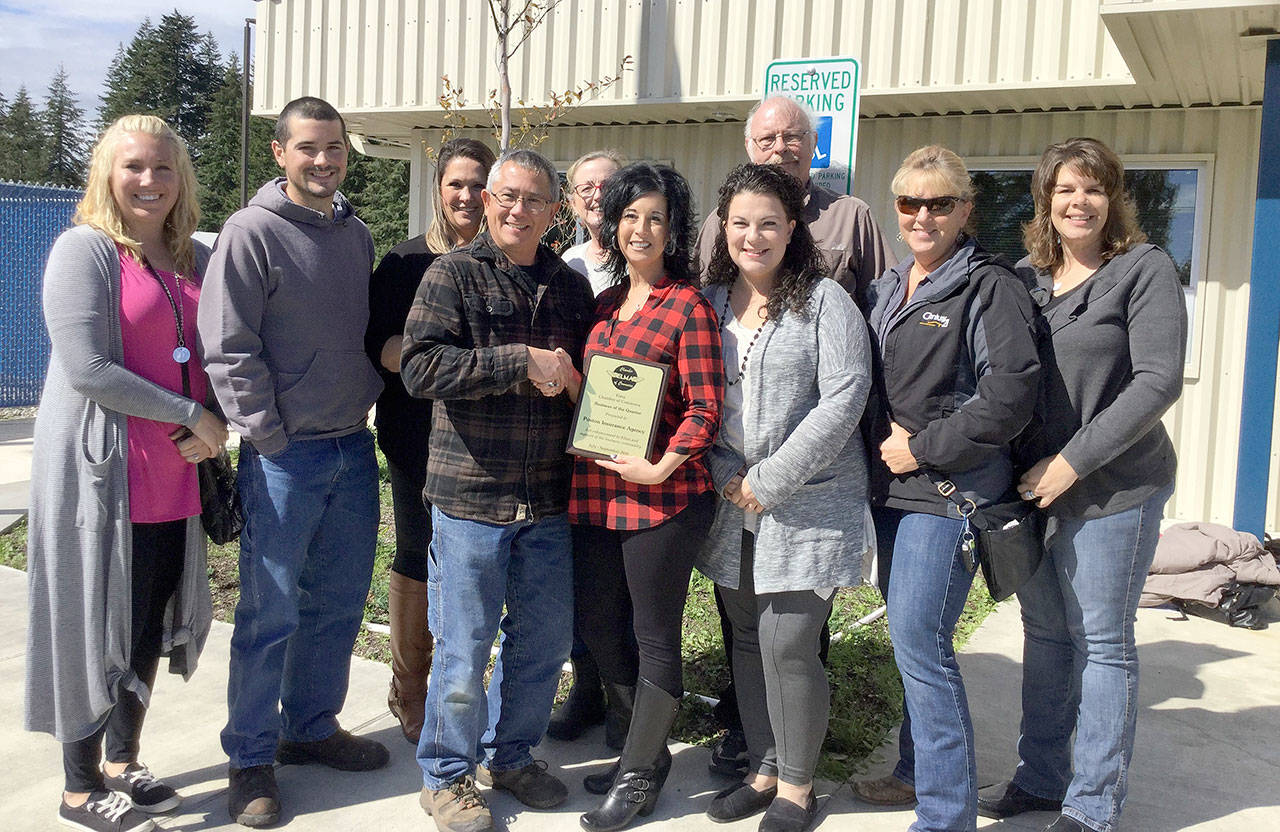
1207 754
15 470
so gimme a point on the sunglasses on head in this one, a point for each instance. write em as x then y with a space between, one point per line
939 206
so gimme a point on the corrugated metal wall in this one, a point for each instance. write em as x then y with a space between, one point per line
685 50
1205 424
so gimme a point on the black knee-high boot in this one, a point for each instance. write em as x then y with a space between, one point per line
635 792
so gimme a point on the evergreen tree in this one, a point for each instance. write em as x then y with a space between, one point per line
169 70
218 166
28 158
64 128
379 190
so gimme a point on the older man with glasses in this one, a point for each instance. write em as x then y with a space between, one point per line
780 131
482 340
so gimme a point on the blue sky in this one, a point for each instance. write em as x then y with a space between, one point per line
37 35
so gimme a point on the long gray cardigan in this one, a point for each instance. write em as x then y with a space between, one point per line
79 545
804 453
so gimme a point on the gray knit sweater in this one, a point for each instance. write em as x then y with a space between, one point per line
79 545
804 454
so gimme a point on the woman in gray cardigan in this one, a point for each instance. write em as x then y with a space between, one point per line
1118 328
790 465
116 554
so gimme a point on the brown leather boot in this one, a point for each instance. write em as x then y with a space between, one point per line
411 644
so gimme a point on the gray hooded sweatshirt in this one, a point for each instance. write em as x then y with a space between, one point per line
282 318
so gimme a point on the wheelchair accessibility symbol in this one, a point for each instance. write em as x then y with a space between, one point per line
822 150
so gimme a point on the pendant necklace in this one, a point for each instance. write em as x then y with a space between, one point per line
724 317
181 354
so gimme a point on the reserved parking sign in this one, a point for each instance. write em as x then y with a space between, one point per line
829 87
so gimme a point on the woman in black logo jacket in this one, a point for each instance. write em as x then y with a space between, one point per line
957 378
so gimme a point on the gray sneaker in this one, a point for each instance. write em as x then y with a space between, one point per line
458 807
532 785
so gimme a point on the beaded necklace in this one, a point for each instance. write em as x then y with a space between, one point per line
724 316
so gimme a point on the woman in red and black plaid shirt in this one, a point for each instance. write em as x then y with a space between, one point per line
637 519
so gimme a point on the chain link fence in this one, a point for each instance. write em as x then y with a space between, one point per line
31 218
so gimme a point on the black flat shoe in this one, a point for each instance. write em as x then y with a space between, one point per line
739 801
1014 801
785 816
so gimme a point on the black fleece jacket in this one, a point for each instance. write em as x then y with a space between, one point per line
956 365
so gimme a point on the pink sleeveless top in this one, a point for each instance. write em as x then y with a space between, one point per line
162 485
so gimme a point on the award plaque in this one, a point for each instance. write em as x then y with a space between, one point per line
618 407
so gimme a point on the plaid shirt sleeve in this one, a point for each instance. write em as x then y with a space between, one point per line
700 373
440 360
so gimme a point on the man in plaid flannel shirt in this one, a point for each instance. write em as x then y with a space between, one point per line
482 339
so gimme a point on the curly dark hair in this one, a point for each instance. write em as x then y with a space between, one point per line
628 185
802 264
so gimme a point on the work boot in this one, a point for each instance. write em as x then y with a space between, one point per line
583 707
411 646
617 716
635 792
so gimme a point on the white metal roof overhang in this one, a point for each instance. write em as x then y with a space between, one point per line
1179 53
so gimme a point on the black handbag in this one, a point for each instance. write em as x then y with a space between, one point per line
1007 539
220 511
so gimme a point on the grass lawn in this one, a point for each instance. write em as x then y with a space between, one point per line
866 695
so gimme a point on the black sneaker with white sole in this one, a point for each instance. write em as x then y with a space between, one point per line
105 812
145 792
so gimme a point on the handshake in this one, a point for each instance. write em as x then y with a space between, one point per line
552 372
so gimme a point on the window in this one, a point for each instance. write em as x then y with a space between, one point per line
1170 194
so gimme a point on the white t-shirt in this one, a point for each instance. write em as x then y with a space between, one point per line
578 259
734 339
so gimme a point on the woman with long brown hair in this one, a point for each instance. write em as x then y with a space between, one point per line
1118 329
404 423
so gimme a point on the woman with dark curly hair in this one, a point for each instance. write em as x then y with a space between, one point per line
636 517
790 464
1119 331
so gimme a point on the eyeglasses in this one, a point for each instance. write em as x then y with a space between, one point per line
791 139
532 204
939 206
586 189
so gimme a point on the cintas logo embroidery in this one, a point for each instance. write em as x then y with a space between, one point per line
935 320
624 377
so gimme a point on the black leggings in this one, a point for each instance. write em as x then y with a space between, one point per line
413 519
158 554
639 578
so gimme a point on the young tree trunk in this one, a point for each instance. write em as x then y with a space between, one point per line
504 77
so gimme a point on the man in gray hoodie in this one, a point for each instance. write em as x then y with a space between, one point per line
282 319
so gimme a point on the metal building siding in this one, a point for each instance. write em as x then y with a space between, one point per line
389 54
1205 423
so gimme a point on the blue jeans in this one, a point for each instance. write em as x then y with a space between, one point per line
473 568
306 557
928 585
1080 662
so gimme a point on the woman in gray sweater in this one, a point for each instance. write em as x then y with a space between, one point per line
790 466
115 550
1117 323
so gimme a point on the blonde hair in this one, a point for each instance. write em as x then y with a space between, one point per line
1094 159
98 207
619 161
938 168
442 237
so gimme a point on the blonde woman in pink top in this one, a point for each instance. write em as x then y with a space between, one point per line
116 553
